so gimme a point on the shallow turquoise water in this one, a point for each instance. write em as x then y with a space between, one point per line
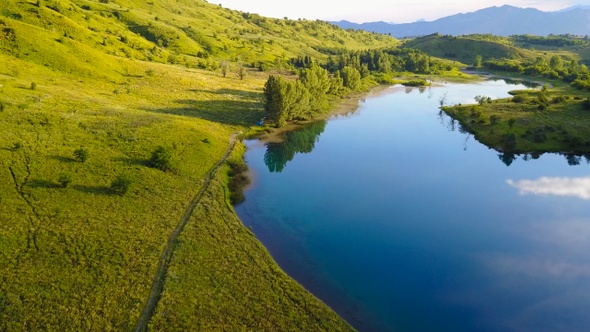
401 222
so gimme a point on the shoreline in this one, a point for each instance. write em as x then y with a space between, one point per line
342 107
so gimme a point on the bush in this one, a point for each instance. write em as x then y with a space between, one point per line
519 99
121 184
81 154
510 141
161 159
64 180
33 86
1 106
494 119
237 181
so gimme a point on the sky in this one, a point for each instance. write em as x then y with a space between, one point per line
393 11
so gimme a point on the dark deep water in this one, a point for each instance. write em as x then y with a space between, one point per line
402 222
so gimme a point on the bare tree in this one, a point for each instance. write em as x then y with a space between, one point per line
443 99
241 71
224 65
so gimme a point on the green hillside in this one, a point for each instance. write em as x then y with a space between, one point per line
73 35
89 92
465 48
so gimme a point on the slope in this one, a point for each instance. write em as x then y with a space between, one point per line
118 79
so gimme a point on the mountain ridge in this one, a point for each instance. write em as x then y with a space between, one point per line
505 20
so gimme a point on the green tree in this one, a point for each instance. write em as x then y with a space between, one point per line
511 122
494 119
81 154
317 82
161 159
351 78
121 184
65 179
275 90
478 61
423 64
481 99
556 62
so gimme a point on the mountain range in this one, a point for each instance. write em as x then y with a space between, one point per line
502 21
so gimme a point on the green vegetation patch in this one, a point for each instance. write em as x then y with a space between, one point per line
532 121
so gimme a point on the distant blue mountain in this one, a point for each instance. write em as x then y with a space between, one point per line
501 21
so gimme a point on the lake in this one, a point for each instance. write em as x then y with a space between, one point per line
401 221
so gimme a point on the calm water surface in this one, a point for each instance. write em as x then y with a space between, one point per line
402 222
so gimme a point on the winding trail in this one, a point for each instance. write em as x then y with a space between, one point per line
166 256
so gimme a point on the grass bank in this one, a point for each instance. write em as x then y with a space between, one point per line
76 254
549 119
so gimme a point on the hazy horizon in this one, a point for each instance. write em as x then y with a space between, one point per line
382 10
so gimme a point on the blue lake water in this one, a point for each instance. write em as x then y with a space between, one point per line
400 221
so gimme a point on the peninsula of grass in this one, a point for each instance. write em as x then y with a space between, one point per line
534 121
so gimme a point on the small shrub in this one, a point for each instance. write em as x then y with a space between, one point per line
511 122
33 86
494 119
1 106
237 181
519 99
81 154
510 141
121 184
161 159
65 179
16 146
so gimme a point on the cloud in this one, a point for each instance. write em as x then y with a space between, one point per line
570 187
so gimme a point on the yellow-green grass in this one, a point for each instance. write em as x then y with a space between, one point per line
190 32
82 257
222 279
561 125
100 76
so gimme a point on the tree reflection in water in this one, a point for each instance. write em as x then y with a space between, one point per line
277 155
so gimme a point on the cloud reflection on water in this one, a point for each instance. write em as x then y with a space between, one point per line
571 187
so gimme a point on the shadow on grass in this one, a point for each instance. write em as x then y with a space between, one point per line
96 190
229 112
233 92
63 159
43 184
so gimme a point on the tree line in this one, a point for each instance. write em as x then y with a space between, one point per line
571 71
308 95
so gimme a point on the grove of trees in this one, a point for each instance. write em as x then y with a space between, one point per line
346 72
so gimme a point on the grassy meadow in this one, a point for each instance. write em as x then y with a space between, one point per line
88 91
